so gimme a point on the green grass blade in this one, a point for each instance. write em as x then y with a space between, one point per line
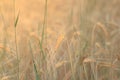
15 25
37 77
41 44
16 21
36 72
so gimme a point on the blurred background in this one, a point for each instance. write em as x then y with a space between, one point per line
61 18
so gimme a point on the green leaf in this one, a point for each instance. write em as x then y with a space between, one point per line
16 21
37 77
35 70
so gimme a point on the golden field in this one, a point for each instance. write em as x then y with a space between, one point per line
59 40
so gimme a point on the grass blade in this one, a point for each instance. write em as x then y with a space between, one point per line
37 77
16 21
36 72
15 25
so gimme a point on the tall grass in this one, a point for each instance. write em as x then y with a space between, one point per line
15 25
16 46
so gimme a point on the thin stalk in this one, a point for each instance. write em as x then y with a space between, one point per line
43 35
71 62
45 20
43 31
17 53
15 26
37 77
